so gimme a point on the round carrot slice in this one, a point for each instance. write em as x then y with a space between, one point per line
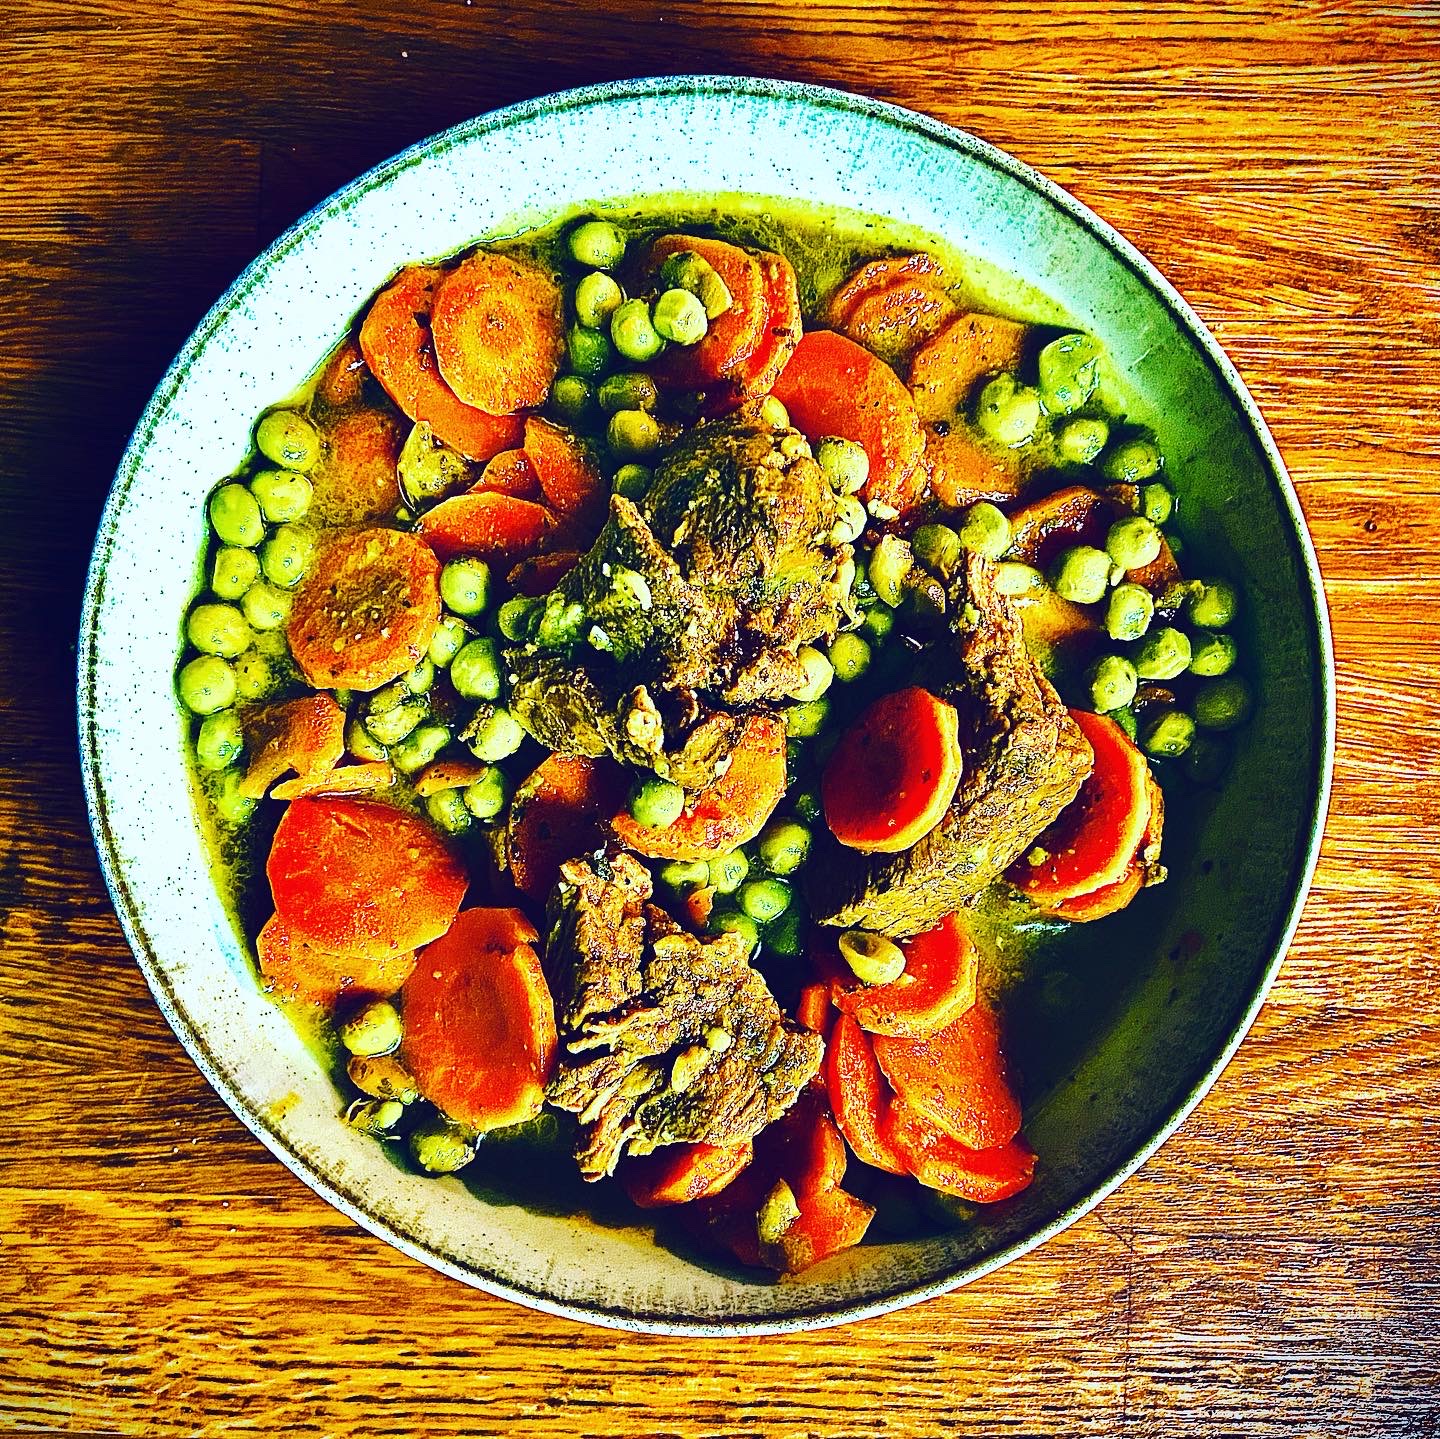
894 772
479 1021
682 1173
498 330
360 877
946 368
395 341
938 985
859 1096
962 472
558 813
485 523
510 473
367 610
733 336
781 331
568 475
939 1161
295 970
357 482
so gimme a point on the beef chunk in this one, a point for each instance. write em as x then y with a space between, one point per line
1024 761
664 1038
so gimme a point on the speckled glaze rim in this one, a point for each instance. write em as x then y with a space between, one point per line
353 1204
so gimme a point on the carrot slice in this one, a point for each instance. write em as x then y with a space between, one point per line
479 1021
859 1096
556 814
541 573
356 876
1095 838
699 906
485 524
571 480
442 774
962 472
946 368
832 386
812 1009
295 970
357 481
894 772
780 333
828 1224
366 612
498 330
682 1173
368 778
733 336
873 277
892 306
939 1161
509 473
938 985
342 381
305 735
726 814
956 1079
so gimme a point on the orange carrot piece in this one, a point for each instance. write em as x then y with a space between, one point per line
733 336
956 1079
728 813
699 906
357 876
556 814
939 1161
442 774
541 573
938 985
946 368
812 1010
962 472
356 480
366 612
780 333
485 524
304 735
896 321
371 777
859 1096
874 277
683 1173
479 1021
297 971
832 386
509 473
498 329
396 343
570 478
342 381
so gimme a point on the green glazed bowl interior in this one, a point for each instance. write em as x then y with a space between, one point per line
1125 1024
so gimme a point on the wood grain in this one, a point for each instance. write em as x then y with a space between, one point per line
1273 1271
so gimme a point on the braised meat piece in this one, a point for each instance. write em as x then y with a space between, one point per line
692 605
1024 761
664 1038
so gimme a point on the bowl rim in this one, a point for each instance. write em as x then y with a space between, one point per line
963 143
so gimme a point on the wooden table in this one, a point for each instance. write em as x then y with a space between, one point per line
1273 1271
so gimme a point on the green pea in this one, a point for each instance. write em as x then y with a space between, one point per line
361 743
1207 759
1222 703
1168 734
1008 412
447 641
1014 578
515 618
286 555
679 316
487 796
850 521
571 399
1132 542
465 586
421 678
1214 606
1069 369
1157 504
254 676
727 873
218 630
803 721
373 1030
629 390
441 1148
235 516
1131 462
288 440
656 803
374 1116
497 735
232 806
1212 655
937 547
597 297
633 481
560 622
1164 654
266 607
871 958
1129 612
774 414
475 671
598 244
446 807
391 725
785 936
1081 440
588 350
765 899
272 643
890 563
683 875
632 433
1125 718
233 572
419 747
220 740
807 806
849 657
879 621
783 846
282 495
819 672
846 465
633 334
686 270
731 921
1113 682
984 531
1082 575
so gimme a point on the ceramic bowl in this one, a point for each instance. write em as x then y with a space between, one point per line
1182 973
